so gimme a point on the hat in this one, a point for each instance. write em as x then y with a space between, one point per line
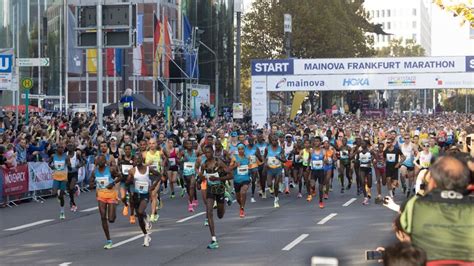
288 136
233 134
175 132
325 139
113 138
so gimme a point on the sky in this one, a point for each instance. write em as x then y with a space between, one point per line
448 38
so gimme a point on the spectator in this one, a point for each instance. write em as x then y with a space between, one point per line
127 101
442 221
21 151
404 254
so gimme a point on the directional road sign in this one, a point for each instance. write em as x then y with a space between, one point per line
32 62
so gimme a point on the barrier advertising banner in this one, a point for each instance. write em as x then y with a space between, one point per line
15 180
40 176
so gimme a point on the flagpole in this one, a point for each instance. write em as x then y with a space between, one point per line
66 55
115 81
153 60
106 78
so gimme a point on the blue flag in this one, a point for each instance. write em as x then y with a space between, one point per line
192 66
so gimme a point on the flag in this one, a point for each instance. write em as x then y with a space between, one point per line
139 67
114 61
91 56
192 68
167 56
156 41
74 55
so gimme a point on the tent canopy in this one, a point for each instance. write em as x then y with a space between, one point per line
140 103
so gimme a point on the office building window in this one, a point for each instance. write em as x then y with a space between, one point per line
389 38
414 24
388 13
414 37
388 25
414 11
378 13
383 13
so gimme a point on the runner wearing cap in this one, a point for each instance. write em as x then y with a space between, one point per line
251 152
274 156
288 145
233 143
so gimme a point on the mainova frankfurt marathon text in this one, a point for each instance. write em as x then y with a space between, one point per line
379 65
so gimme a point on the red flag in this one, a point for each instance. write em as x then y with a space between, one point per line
156 41
110 56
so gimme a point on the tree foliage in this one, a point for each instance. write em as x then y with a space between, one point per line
321 29
461 8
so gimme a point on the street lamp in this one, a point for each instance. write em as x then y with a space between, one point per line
217 74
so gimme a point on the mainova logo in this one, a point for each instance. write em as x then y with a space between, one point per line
280 83
6 62
355 82
272 67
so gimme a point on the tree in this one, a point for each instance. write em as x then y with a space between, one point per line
462 8
321 29
403 48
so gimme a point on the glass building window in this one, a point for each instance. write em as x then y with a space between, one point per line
414 12
414 37
414 24
378 13
388 13
383 13
388 25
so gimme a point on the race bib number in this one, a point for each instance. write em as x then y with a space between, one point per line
102 182
212 175
317 164
73 162
380 165
344 155
172 161
126 168
141 186
253 159
126 105
243 170
273 162
391 158
297 158
329 160
59 165
262 151
188 168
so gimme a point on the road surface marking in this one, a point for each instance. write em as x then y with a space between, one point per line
90 209
128 240
349 202
295 242
29 225
327 218
65 263
191 217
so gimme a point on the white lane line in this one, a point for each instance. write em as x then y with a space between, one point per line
349 202
65 263
190 217
327 218
29 225
127 240
295 242
90 209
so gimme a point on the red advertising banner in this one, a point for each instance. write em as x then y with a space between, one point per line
15 180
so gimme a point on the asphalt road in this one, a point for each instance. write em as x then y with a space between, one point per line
289 235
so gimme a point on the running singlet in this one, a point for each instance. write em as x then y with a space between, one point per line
241 173
317 161
154 160
233 149
261 147
141 181
305 158
288 150
126 165
214 174
59 165
189 163
344 156
250 153
272 157
103 179
425 159
365 159
173 157
434 151
408 152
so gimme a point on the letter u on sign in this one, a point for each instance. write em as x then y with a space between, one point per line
6 63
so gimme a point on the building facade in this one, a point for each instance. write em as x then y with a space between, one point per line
407 19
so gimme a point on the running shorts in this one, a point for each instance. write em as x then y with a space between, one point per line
107 196
217 196
238 186
59 185
274 172
318 176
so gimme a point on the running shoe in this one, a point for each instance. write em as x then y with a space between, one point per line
292 185
349 186
342 190
366 201
78 191
330 188
391 194
213 245
146 240
172 195
190 207
260 193
264 195
125 211
74 208
252 199
62 216
358 191
206 222
299 196
378 199
108 244
215 205
287 191
369 194
309 198
183 192
195 203
276 204
271 190
154 218
321 205
242 213
132 219
326 196
228 197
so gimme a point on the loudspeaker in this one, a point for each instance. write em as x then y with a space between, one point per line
176 73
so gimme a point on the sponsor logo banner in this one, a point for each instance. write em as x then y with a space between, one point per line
15 180
40 176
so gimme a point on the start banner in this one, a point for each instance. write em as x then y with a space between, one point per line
15 180
40 176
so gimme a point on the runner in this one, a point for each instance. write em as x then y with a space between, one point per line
305 154
60 176
289 145
251 152
365 158
407 170
171 153
329 159
105 178
154 159
189 157
126 163
240 165
215 173
142 185
298 168
317 167
393 157
274 155
356 164
380 171
261 146
74 161
344 170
